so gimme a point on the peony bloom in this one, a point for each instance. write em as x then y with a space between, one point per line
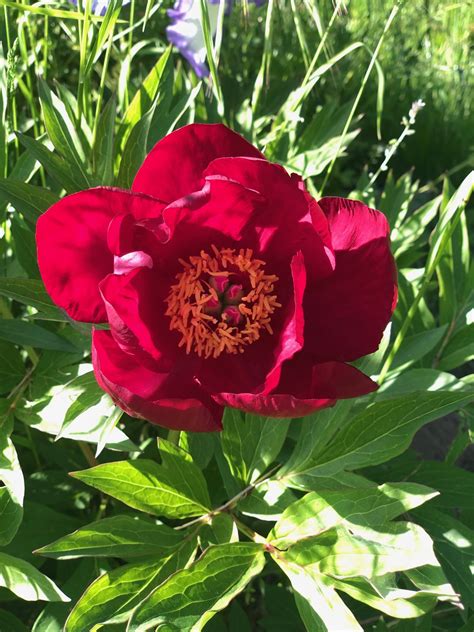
223 282
186 32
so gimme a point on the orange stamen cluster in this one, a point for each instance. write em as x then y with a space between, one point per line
192 300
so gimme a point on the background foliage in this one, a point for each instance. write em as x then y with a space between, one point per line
334 522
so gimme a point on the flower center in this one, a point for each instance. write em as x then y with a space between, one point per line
221 303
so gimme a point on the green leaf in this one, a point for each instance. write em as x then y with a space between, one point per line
28 199
81 402
339 552
317 512
12 368
146 95
12 495
54 615
401 604
432 579
173 489
319 605
120 536
113 596
454 546
314 161
134 152
30 292
251 443
62 132
267 501
103 150
455 485
382 431
24 245
219 530
459 350
414 380
316 431
191 597
416 347
26 582
55 166
8 621
27 334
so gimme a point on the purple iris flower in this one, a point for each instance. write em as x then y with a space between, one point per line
186 32
98 7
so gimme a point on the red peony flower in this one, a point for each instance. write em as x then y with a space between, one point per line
223 282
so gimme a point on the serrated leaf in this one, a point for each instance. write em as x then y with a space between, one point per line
251 443
317 512
174 489
26 582
382 431
190 598
120 536
113 596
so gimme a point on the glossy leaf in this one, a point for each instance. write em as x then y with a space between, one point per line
190 598
317 512
175 489
113 595
26 582
251 443
120 536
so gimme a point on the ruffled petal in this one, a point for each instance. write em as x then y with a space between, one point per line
304 387
217 215
347 313
171 400
72 247
286 222
135 304
175 165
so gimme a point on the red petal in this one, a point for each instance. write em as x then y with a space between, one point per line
347 313
220 208
72 247
168 399
285 222
175 165
304 387
135 304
